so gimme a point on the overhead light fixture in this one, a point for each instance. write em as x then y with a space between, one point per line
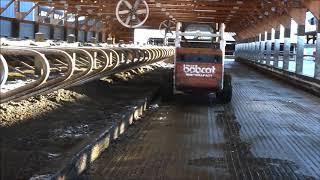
163 9
205 17
205 10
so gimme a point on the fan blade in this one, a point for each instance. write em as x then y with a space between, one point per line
128 4
136 4
128 19
123 12
138 19
141 11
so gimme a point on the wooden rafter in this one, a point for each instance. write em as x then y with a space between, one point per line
253 15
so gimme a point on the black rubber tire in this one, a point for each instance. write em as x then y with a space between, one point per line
225 95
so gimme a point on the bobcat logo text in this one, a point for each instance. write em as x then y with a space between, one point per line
198 71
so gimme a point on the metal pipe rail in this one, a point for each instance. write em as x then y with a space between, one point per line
38 58
30 71
54 79
287 59
3 70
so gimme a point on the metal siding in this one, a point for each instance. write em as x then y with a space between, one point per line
25 7
8 12
5 29
58 33
81 36
70 31
46 30
26 30
89 35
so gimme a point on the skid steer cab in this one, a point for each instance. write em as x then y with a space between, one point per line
199 61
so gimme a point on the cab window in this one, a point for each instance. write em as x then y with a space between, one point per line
198 58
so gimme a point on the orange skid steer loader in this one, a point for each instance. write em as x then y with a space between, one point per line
199 61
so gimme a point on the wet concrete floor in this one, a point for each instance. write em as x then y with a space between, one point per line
271 130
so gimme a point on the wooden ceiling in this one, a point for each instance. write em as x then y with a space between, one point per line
236 14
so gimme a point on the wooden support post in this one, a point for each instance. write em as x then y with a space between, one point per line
269 45
65 26
36 27
249 48
76 28
15 23
51 32
299 15
276 47
253 48
262 47
300 48
286 22
100 37
257 48
85 36
15 28
65 32
36 23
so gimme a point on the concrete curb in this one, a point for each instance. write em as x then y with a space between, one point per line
306 83
89 153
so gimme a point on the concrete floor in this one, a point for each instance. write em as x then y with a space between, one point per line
270 131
